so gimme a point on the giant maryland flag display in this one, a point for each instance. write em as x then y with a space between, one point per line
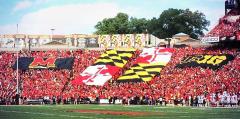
147 65
107 65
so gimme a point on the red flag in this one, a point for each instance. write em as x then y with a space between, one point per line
79 79
110 69
144 60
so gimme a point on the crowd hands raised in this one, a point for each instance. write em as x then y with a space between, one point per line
187 86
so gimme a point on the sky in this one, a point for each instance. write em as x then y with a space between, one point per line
80 16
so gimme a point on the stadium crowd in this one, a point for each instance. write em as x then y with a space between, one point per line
188 86
85 93
190 83
41 83
7 78
228 26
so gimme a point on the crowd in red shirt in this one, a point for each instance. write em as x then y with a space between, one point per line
92 92
173 83
182 83
226 26
7 76
39 83
177 83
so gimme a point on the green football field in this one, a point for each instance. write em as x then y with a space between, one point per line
115 112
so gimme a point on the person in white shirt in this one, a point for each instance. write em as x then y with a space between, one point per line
234 100
200 100
228 100
213 99
160 100
221 98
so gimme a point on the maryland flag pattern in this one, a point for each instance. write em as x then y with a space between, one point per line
106 66
141 72
115 58
147 65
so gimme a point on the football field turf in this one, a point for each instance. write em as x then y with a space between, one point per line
115 112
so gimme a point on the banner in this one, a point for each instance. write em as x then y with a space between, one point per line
96 75
210 39
155 55
128 40
122 40
104 40
147 65
140 40
115 40
141 72
115 58
106 66
25 63
206 61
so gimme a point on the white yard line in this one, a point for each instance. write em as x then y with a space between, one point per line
48 114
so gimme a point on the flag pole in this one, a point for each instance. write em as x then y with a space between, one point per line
17 68
17 95
17 75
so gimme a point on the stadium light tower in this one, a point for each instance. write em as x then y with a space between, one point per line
52 30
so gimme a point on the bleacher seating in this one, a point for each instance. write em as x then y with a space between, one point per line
228 26
173 83
182 83
7 77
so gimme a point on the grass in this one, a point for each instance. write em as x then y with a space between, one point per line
63 112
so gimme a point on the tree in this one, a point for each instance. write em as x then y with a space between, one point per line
121 25
106 26
169 23
173 21
138 25
116 25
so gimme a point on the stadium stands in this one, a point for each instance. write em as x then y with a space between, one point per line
36 84
193 77
182 83
8 77
227 27
173 85
83 91
177 83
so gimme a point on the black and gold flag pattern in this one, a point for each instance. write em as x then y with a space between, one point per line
141 72
115 58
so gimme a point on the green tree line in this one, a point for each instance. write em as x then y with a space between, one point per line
169 22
